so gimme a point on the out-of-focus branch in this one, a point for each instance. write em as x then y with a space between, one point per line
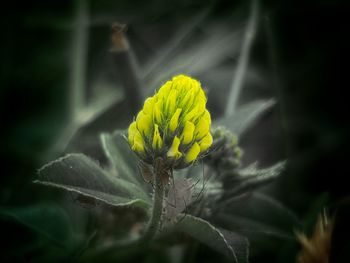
79 58
126 66
243 60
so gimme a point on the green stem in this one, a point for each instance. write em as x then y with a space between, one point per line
154 222
157 209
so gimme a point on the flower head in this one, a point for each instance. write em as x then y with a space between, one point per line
173 124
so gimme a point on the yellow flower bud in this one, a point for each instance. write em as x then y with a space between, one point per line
207 117
187 134
202 128
174 149
192 153
131 132
157 112
174 121
144 123
157 140
171 102
139 145
206 142
174 124
148 105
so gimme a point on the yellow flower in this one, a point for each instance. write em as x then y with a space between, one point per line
173 124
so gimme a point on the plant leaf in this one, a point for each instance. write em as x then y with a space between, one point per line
121 158
252 170
227 244
251 177
79 174
245 117
259 215
239 243
165 52
253 228
210 51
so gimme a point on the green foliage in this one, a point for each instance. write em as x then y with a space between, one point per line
245 116
79 174
250 178
259 216
122 160
121 185
200 202
232 245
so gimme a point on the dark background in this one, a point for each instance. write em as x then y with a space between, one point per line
302 46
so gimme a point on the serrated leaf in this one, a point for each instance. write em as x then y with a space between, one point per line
206 233
79 174
245 117
46 220
122 159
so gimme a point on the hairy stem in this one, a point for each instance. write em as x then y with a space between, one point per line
157 209
153 224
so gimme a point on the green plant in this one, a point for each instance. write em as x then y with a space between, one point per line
128 216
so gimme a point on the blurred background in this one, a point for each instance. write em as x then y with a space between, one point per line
61 86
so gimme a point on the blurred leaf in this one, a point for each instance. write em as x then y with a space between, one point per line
251 178
163 55
258 215
253 228
204 55
240 73
245 117
46 220
228 243
79 174
253 171
120 156
87 114
79 58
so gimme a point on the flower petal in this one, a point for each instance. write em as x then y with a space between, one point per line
131 132
174 149
202 128
149 105
144 123
192 153
138 145
157 140
206 142
174 121
187 133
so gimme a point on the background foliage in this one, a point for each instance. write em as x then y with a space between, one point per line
50 47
